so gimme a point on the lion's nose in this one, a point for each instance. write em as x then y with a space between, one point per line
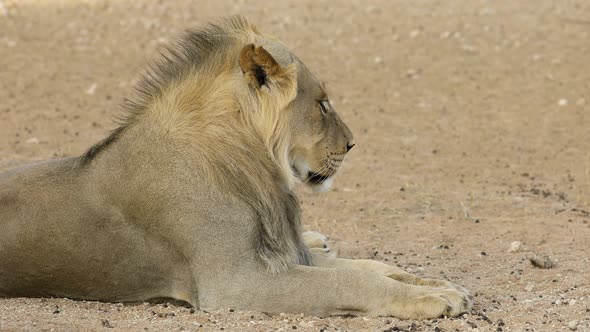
349 146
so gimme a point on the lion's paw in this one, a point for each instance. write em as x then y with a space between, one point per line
439 302
444 284
317 243
314 239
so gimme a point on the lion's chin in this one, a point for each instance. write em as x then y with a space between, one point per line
322 187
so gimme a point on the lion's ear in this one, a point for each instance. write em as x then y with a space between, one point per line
258 66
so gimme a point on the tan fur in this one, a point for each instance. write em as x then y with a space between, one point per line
191 197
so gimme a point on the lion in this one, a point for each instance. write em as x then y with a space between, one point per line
191 197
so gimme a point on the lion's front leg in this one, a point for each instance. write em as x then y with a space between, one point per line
384 270
325 257
323 292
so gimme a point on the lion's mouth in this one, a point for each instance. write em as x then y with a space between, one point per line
320 180
312 178
316 178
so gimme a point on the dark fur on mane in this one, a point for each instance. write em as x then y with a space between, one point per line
191 51
276 207
89 155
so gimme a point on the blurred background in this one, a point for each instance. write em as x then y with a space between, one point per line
471 120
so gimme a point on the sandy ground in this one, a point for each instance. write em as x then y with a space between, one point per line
472 126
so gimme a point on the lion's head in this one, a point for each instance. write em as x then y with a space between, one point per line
304 132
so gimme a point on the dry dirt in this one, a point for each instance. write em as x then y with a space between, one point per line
472 126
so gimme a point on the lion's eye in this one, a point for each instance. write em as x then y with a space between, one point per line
324 106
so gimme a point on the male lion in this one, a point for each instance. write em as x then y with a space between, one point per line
191 197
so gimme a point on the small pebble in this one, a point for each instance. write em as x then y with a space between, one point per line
33 140
542 262
573 325
468 48
106 323
515 246
562 102
92 89
412 73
